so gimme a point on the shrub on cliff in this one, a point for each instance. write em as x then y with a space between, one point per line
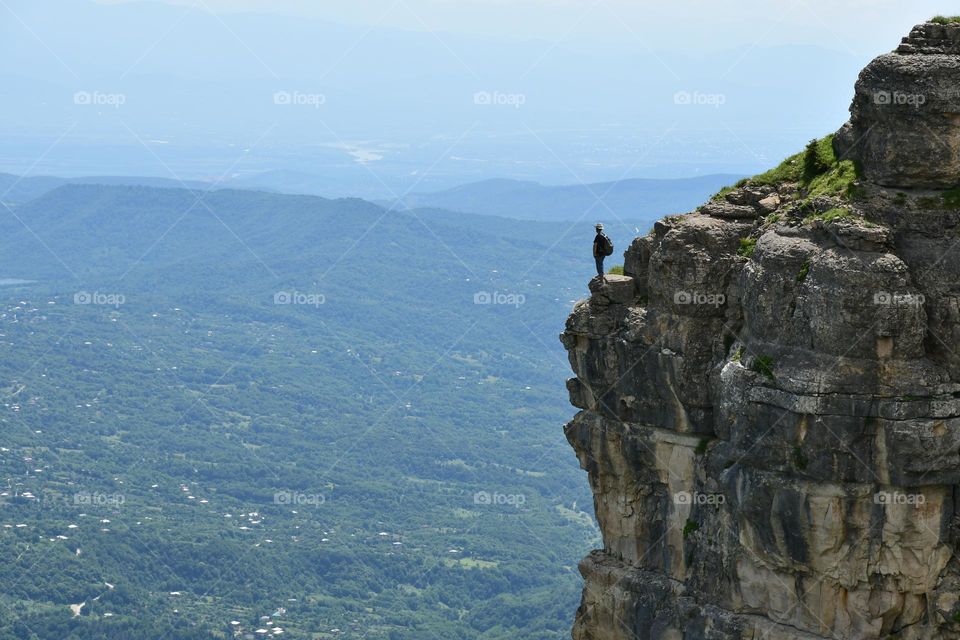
817 172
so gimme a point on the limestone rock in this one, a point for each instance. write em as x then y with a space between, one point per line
904 124
770 404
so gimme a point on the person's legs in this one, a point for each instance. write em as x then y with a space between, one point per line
599 265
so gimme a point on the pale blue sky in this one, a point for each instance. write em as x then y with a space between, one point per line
860 26
599 81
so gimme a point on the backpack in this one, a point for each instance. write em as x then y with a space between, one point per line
607 245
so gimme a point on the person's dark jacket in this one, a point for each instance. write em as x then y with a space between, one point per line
598 245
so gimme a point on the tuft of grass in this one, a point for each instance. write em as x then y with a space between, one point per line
951 198
837 213
804 270
763 365
728 341
719 195
790 170
747 245
817 171
900 199
690 527
702 446
840 181
742 182
818 158
616 270
799 459
945 19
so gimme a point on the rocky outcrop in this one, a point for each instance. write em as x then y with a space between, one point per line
770 400
905 118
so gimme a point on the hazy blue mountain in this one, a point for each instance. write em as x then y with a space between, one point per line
636 199
256 401
20 189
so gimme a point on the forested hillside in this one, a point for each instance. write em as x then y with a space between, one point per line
342 418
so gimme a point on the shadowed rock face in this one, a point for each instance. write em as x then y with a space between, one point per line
770 402
904 126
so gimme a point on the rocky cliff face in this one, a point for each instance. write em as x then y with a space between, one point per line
770 396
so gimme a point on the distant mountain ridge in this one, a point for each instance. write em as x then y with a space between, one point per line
19 189
632 199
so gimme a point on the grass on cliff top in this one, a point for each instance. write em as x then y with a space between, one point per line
836 213
945 19
816 170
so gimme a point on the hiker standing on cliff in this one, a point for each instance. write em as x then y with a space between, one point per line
602 247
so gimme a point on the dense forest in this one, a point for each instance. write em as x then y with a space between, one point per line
236 414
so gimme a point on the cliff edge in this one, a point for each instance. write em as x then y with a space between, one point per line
770 396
